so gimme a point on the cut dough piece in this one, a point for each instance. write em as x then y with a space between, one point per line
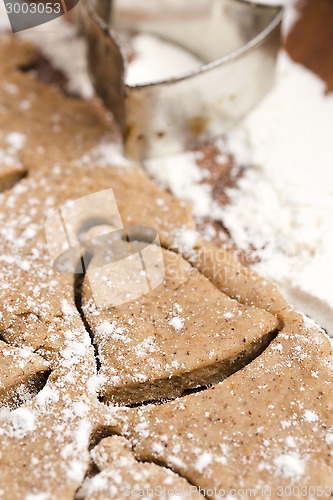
22 374
121 476
270 424
183 334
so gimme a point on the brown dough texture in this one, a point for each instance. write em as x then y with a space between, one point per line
238 385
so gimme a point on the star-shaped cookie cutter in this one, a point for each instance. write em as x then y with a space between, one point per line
237 41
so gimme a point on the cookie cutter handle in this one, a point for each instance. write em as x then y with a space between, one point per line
106 63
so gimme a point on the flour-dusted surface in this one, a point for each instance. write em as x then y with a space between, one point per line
276 402
58 40
284 203
153 59
282 206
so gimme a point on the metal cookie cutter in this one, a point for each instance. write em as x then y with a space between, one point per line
236 40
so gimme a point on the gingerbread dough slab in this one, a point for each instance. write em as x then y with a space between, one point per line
183 334
268 425
44 442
